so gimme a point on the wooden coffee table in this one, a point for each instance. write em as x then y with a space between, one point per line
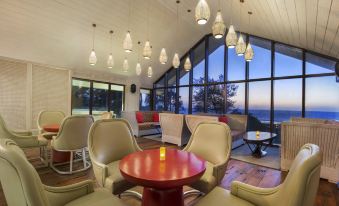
163 180
264 137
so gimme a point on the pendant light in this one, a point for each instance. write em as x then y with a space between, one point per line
163 56
187 65
218 28
110 60
147 52
176 60
92 57
249 53
128 44
202 12
138 69
231 37
125 65
240 48
149 71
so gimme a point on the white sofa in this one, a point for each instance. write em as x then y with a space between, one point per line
325 134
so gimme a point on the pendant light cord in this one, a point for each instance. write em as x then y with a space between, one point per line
129 14
231 12
111 32
94 25
148 5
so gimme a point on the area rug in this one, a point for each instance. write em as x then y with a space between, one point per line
271 160
156 137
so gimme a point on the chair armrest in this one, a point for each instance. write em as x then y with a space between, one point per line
22 133
25 141
255 195
100 172
219 170
59 196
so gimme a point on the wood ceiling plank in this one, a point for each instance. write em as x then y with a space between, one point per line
322 20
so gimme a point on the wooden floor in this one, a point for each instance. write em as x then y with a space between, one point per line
328 194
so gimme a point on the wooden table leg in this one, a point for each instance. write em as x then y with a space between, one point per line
169 197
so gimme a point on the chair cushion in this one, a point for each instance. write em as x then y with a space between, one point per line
139 116
146 126
155 117
223 119
221 197
99 197
237 134
207 182
115 181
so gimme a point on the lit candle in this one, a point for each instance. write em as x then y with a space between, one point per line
257 134
162 153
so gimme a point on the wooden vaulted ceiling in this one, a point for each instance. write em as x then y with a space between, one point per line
59 32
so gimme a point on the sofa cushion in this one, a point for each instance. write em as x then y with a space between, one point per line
236 134
148 116
223 119
155 117
139 116
146 126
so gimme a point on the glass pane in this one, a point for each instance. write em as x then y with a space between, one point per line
159 99
199 64
236 65
259 102
117 99
198 96
145 100
100 98
288 61
171 77
287 104
171 92
317 65
216 98
183 100
235 98
216 60
184 77
80 96
260 66
160 83
322 98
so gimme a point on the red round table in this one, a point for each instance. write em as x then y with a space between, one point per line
163 180
58 157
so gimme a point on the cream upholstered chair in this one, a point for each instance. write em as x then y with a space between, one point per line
25 140
106 115
22 186
46 117
298 189
72 137
109 141
213 142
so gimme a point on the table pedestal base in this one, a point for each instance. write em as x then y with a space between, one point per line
258 152
170 197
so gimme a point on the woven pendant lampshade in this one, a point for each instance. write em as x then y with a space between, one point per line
149 71
147 52
240 48
249 53
187 65
138 69
163 56
127 44
202 12
218 28
92 58
176 61
110 61
125 66
231 38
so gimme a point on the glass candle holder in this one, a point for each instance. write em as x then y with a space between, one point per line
162 153
257 134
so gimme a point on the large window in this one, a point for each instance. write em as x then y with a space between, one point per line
145 100
91 97
159 100
80 96
280 82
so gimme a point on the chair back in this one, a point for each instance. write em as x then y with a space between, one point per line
4 131
106 115
301 184
192 121
110 140
20 182
211 141
73 133
49 117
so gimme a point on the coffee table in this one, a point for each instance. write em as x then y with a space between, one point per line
163 180
264 137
